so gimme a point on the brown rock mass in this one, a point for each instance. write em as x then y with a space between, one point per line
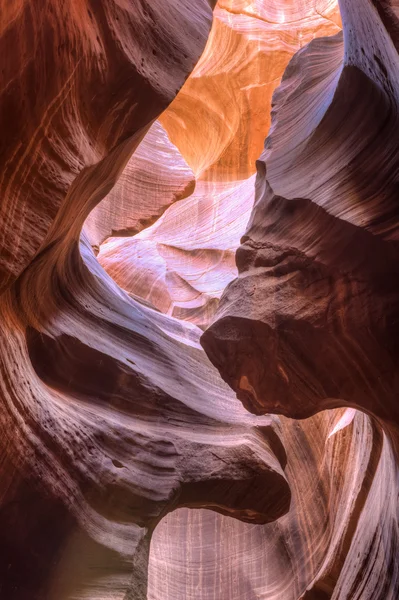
129 177
310 323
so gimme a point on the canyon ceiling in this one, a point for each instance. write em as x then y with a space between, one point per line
199 300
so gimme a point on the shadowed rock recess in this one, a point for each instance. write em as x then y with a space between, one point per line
199 347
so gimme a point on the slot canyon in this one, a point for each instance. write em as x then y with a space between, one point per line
199 293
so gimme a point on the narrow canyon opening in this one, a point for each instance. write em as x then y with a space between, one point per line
168 231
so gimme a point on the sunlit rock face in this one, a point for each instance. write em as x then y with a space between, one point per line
124 200
218 122
182 263
248 49
155 177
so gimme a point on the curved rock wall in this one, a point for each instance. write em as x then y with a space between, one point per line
119 226
310 322
339 539
316 299
78 79
105 427
218 123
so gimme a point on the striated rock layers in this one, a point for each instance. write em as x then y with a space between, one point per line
81 83
339 539
111 416
118 231
218 123
310 322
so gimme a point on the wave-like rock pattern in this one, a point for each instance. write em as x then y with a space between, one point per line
320 248
155 177
106 426
310 322
229 92
339 539
111 414
182 264
79 79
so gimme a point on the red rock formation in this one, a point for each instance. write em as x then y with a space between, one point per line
81 83
113 423
182 263
339 539
310 322
106 426
316 299
155 177
111 416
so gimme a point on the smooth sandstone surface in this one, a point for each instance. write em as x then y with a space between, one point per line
79 81
155 177
132 167
321 245
339 539
218 122
310 322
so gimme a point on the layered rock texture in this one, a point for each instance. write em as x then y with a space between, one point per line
132 466
310 322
